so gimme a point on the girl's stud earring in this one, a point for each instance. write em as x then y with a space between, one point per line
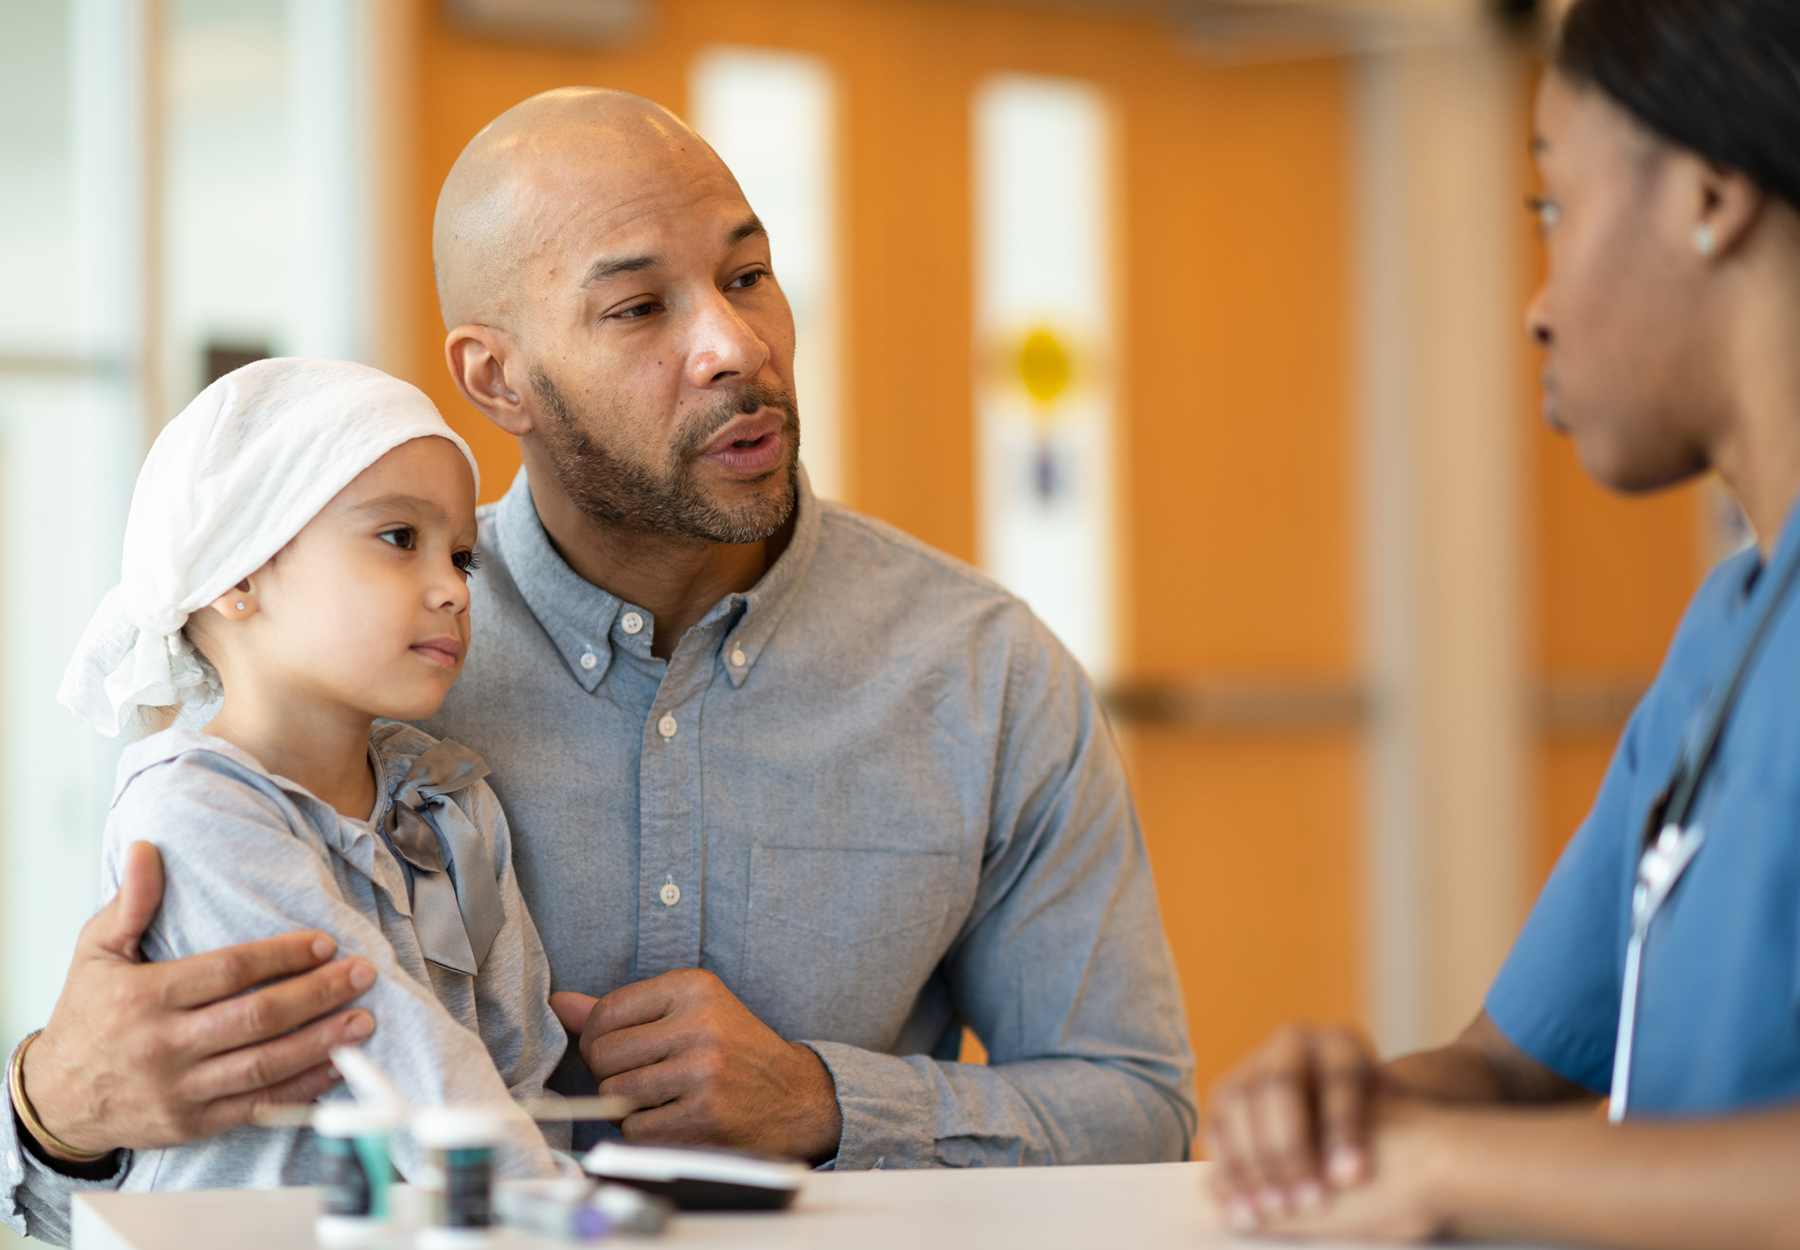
240 607
1703 239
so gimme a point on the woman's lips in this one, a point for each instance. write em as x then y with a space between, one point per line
444 651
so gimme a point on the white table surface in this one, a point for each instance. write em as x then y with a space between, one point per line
1145 1207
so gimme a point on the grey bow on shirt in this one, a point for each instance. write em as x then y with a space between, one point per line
456 906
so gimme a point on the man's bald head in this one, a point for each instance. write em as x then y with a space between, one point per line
530 171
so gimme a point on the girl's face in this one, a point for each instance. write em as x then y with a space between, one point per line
1619 313
368 607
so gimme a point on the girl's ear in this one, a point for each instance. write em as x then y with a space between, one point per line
238 603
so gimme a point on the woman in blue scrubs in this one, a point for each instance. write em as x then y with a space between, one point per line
1661 965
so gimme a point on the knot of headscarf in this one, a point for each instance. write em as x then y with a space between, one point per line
456 896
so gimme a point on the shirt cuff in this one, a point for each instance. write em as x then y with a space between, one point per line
888 1106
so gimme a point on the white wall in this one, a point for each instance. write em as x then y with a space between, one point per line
1044 286
772 117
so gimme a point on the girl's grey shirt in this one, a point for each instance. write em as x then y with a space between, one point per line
249 855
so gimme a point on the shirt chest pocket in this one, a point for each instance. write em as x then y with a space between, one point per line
840 941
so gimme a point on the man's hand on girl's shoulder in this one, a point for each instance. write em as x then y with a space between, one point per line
144 1055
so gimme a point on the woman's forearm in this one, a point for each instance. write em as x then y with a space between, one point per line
1570 1177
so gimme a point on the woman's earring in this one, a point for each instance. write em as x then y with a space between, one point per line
1703 239
240 606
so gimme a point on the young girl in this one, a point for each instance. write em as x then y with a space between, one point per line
296 567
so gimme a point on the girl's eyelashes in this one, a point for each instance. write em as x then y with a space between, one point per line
406 538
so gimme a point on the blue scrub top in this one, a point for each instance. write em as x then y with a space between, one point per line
1718 1025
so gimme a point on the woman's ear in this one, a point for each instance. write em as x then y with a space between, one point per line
1728 206
479 357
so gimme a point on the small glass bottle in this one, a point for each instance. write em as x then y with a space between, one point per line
458 1177
355 1170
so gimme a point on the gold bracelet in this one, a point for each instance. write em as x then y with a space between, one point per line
15 1086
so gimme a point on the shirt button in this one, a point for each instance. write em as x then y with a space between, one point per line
666 726
589 659
631 622
737 657
670 894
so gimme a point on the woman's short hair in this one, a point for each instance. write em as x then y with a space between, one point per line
1718 77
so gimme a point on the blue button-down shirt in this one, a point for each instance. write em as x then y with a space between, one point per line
874 796
1718 1025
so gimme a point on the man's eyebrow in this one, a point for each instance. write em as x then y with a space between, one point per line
611 266
748 228
398 501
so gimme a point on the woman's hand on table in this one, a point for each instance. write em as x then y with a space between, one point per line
1291 1123
144 1055
1395 1197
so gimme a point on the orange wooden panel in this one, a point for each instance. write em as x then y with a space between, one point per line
1570 769
1238 382
1254 842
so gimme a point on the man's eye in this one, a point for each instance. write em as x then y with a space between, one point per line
402 537
466 562
638 312
746 280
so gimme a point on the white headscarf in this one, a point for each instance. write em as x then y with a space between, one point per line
229 483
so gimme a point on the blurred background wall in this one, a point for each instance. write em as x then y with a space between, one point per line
1198 325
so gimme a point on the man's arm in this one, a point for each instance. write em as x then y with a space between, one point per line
141 1055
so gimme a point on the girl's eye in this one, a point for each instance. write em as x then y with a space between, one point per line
402 537
466 562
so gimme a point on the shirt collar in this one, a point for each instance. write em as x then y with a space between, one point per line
579 617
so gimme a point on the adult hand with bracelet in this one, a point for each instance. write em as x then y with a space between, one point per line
143 1055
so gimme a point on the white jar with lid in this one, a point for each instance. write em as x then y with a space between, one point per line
458 1177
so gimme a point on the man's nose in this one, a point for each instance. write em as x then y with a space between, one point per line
724 346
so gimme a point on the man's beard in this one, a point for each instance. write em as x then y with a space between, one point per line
619 493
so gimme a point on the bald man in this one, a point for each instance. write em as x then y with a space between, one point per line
794 798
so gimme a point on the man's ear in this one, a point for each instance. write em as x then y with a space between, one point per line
480 358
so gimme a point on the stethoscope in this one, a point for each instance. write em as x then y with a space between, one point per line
1670 843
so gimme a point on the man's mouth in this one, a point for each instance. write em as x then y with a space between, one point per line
444 651
750 445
